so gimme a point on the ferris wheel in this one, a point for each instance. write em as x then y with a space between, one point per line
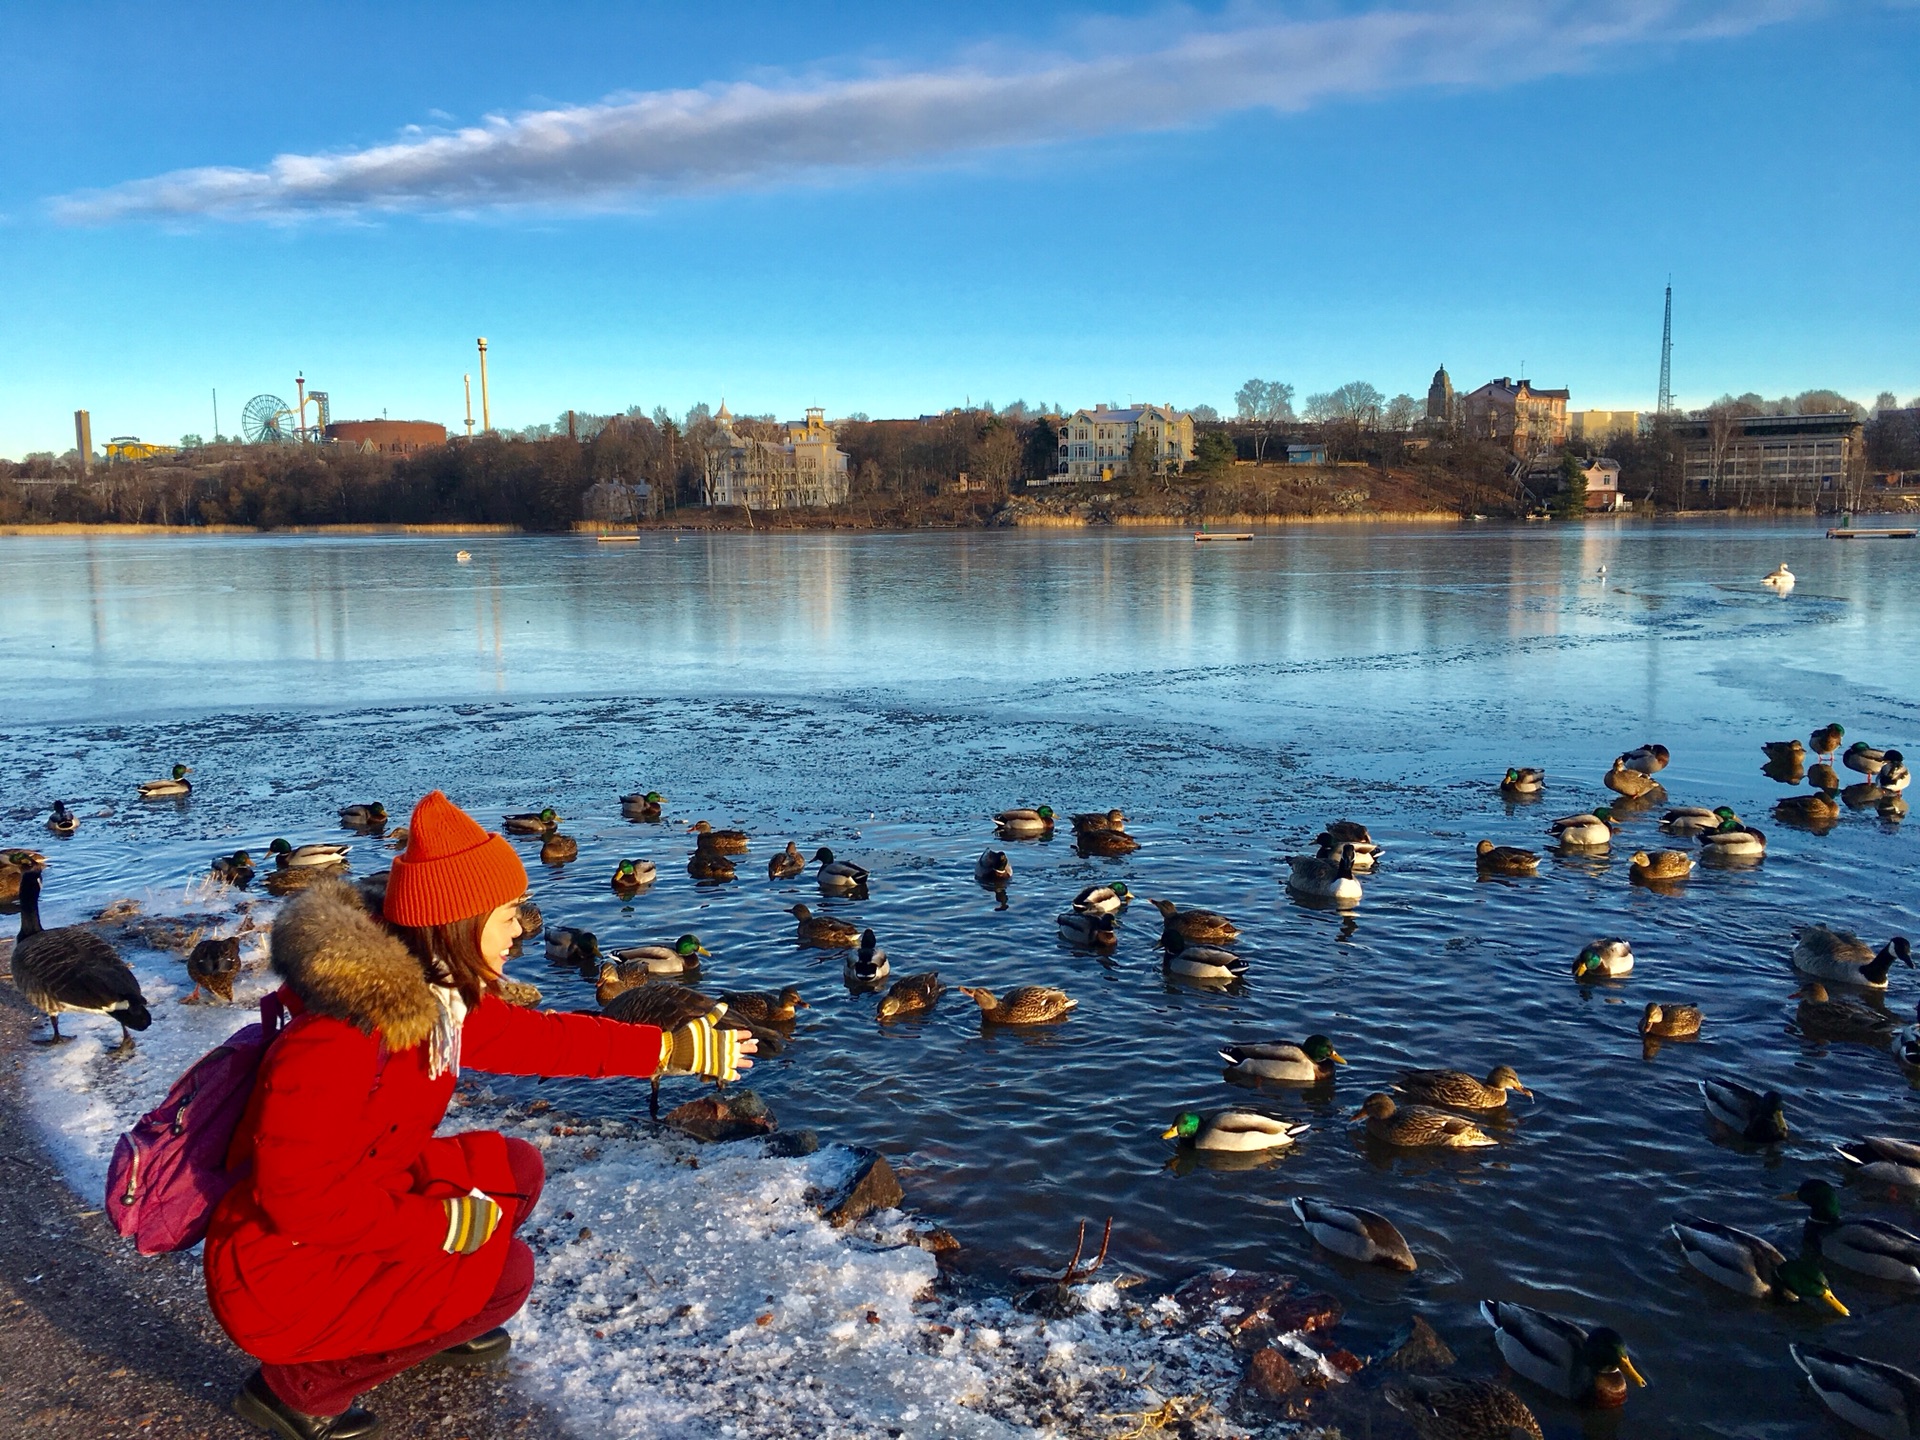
269 420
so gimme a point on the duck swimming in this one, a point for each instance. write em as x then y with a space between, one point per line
838 877
787 864
993 869
707 863
1608 959
1310 1062
911 996
1867 1247
1824 1018
1522 780
646 806
1656 867
1179 927
1670 1021
1097 821
306 857
1751 1114
1103 899
683 955
1690 820
1492 859
1356 1234
1418 1126
174 785
1631 784
867 966
1883 1160
1589 1367
827 931
1780 577
1732 841
62 821
1325 879
1095 931
1750 1266
1457 1090
1025 824
1592 831
1022 1005
630 876
558 849
1204 962
532 822
370 816
1843 957
1238 1131
1877 1399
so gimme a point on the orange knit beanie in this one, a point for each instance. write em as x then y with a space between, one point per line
451 868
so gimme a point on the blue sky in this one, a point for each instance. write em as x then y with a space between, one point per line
888 209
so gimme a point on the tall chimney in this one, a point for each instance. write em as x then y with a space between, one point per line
467 382
486 413
83 440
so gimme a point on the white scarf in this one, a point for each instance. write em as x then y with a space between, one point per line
443 1045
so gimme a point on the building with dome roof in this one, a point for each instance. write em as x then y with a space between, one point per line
1440 398
808 470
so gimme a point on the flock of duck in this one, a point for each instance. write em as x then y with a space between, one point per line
74 969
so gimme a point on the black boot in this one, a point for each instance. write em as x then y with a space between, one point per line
481 1350
259 1405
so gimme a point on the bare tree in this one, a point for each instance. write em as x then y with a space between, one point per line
1263 404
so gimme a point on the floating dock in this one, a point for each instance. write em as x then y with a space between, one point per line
1852 532
618 539
1201 537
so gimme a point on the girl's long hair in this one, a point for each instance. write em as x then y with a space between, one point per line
451 955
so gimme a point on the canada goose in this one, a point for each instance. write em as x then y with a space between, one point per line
1751 1114
1589 1367
174 785
72 969
62 821
787 863
1843 957
213 965
1357 1234
910 996
668 1006
993 869
1325 879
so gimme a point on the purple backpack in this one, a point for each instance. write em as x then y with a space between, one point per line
170 1170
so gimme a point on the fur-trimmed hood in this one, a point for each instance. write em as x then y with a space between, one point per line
344 963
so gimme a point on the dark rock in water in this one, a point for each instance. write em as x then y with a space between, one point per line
1242 1290
1416 1346
935 1241
1345 1361
791 1144
1270 1374
715 1117
869 1185
748 1105
1314 1311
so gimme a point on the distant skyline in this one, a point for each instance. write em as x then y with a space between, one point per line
893 213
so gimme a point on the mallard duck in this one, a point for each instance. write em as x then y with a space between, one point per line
1239 1131
1906 1043
1418 1126
1869 1247
518 993
1690 820
787 863
1090 843
838 877
1022 1005
1883 1160
1179 927
1876 1398
1827 739
910 996
1094 931
1310 1062
1443 1407
707 863
1647 759
175 785
642 806
1846 959
1826 1018
531 920
532 822
213 965
1785 752
1670 1021
235 869
370 816
765 1007
1630 783
306 857
558 849
829 932
675 959
63 821
1523 780
1204 962
1024 824
993 869
1864 758
1103 899
1591 831
1492 859
1894 775
1607 959
1319 879
1457 1090
1733 841
631 876
399 837
727 842
1328 847
1659 866
1748 1265
1357 1234
1590 1367
567 946
1780 577
1347 832
615 978
867 966
1756 1115
72 969
1098 821
11 870
1823 777
294 879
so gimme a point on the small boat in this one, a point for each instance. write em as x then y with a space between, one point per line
618 539
1851 533
1202 536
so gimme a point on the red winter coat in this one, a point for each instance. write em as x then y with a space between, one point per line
331 1247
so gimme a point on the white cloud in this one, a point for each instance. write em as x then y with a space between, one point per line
629 148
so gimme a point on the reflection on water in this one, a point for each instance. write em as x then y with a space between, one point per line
885 695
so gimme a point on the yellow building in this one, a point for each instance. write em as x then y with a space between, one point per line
809 470
132 447
1527 420
1597 427
1098 444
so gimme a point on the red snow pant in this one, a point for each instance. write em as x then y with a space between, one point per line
329 1387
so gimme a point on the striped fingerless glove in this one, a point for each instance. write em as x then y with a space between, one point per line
470 1223
698 1048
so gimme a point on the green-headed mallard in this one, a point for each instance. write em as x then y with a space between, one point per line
1206 927
1864 758
72 969
1785 752
911 996
682 955
1022 1005
1357 1234
1099 820
1418 1126
1669 1021
370 816
727 842
235 869
1239 1131
993 869
642 806
1457 1090
1647 759
1096 932
1628 782
532 822
1827 739
1204 962
1689 820
568 946
766 1007
1732 841
1894 774
558 849
63 821
1103 899
1444 1407
1590 831
1108 843
787 863
1876 1398
867 966
838 877
1750 1266
1883 1160
1659 867
707 863
1310 1062
306 857
829 932
1868 1247
1523 782
1826 1018
1606 959
1756 1115
1843 957
1492 859
1589 1367
213 966
1025 824
632 876
1320 879
174 785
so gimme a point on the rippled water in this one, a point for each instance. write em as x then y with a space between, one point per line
885 694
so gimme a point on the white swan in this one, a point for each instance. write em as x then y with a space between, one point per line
1780 577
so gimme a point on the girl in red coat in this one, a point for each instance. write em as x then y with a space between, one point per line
361 1244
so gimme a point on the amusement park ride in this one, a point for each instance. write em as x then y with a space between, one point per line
269 420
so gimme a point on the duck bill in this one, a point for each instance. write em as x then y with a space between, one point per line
1172 1132
1632 1374
1834 1300
1336 1057
702 950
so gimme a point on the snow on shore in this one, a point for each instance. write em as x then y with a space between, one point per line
692 1290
